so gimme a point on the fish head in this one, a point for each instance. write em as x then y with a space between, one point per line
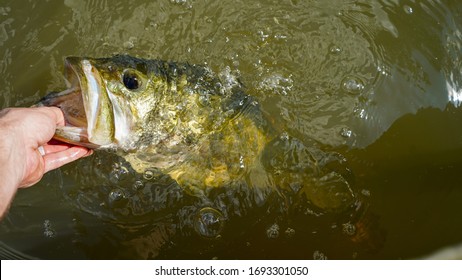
130 103
103 102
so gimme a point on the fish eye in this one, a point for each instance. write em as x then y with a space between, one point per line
131 80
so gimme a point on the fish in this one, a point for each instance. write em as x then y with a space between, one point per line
176 117
198 127
202 130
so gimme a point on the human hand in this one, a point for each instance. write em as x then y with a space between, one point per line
25 151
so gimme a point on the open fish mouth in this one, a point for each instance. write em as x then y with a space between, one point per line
85 104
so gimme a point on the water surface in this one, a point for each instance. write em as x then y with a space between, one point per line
376 83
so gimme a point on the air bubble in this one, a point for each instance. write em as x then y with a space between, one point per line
277 84
228 78
262 35
284 136
180 2
345 132
408 10
366 192
119 173
352 85
280 37
116 195
148 175
273 231
318 255
241 162
204 100
138 185
290 232
128 45
335 50
209 222
48 230
349 229
384 70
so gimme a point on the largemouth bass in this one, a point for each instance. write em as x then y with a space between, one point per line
185 121
203 131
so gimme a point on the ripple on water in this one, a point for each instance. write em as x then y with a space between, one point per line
277 83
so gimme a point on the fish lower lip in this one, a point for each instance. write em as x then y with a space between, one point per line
70 101
74 113
71 104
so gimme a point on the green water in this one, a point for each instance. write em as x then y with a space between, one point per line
378 82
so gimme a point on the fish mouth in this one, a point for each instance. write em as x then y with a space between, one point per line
87 110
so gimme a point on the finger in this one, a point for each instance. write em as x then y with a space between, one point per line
54 113
58 159
48 149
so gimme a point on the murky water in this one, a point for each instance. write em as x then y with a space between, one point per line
369 90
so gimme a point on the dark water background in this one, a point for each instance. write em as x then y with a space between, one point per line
379 82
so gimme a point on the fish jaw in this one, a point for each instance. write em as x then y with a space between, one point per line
87 109
96 103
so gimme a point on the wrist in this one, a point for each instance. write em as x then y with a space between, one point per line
9 169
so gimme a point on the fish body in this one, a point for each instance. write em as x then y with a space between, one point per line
177 117
199 128
202 130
